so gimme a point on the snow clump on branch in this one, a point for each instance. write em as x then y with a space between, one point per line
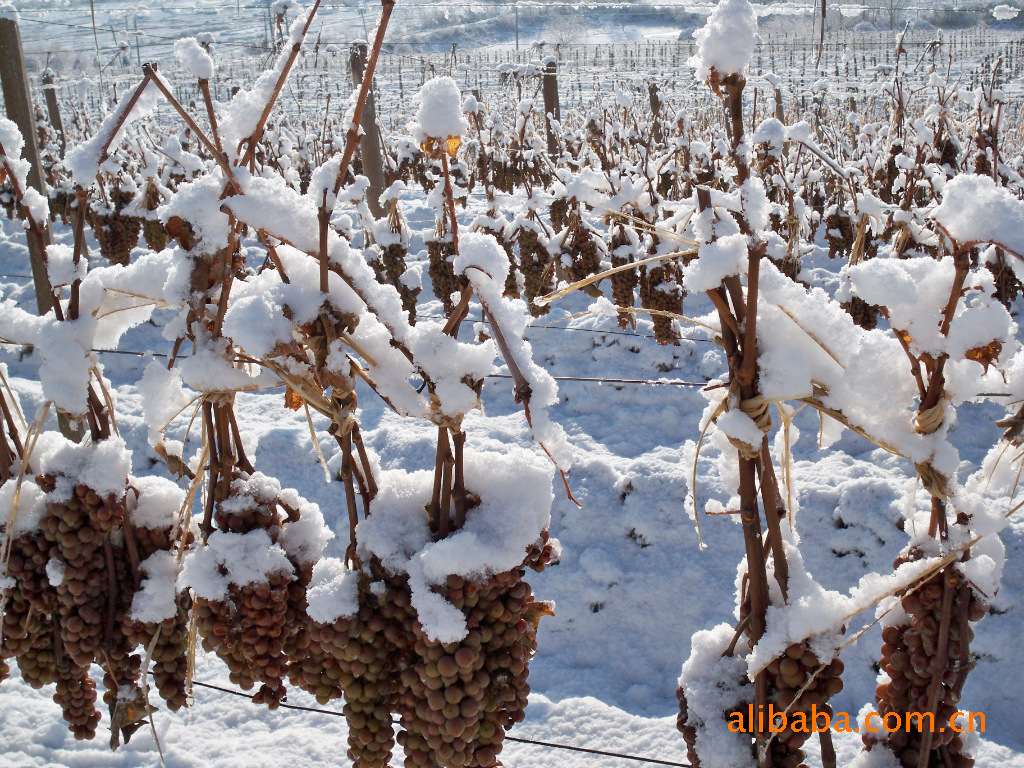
725 44
440 112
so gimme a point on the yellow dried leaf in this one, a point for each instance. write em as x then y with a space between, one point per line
537 610
291 400
454 142
985 355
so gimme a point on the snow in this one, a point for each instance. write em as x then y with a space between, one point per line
11 138
483 253
726 43
333 592
84 160
975 210
31 506
61 267
1005 12
716 261
515 502
154 502
104 467
440 112
154 602
193 56
163 397
55 572
715 685
232 558
304 539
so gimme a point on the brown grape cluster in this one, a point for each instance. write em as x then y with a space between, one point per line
559 211
787 675
28 637
442 273
77 529
246 631
169 662
660 290
507 175
910 658
583 250
455 700
60 204
313 666
839 233
155 234
1008 287
622 247
684 727
92 601
370 649
30 552
459 698
393 261
540 554
865 315
116 233
122 668
169 659
27 634
534 261
76 694
247 628
250 628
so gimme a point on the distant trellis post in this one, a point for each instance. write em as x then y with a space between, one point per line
18 102
53 109
369 142
551 108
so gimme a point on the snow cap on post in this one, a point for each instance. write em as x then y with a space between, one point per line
725 44
439 117
193 56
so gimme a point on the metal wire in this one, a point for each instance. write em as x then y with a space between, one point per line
535 742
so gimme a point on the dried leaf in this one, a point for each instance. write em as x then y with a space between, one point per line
986 355
536 610
292 401
181 230
454 142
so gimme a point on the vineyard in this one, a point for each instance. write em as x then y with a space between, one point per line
374 406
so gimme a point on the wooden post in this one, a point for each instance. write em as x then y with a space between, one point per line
551 108
369 142
517 25
53 108
18 101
